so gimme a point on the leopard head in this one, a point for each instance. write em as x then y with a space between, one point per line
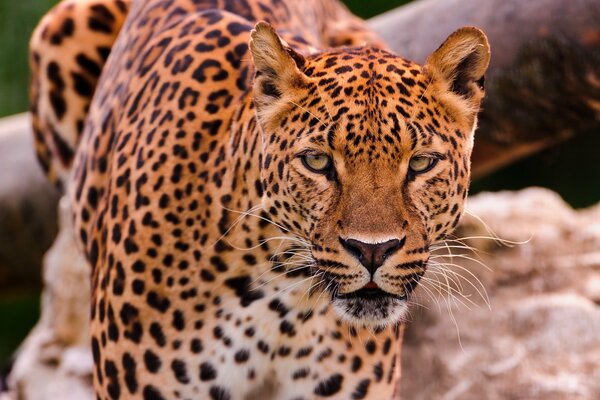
366 158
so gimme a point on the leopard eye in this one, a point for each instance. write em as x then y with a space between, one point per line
319 163
421 164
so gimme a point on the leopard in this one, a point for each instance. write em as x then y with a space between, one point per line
256 185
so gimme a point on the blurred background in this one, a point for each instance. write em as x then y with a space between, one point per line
19 297
572 169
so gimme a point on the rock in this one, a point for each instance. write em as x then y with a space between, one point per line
540 339
55 361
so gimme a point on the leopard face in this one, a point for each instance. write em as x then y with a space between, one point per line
366 161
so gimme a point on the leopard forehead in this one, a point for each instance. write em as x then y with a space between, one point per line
369 104
369 110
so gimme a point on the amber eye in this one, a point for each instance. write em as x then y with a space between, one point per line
421 164
319 163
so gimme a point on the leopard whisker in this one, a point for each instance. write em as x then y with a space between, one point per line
447 292
330 282
237 221
453 278
474 250
304 262
463 256
295 284
455 291
311 287
421 98
282 274
454 321
281 227
325 104
497 240
449 296
429 294
483 292
307 111
488 229
262 242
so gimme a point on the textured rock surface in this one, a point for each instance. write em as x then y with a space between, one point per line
540 338
55 361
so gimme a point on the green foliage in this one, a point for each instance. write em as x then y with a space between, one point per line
571 169
371 8
18 313
17 20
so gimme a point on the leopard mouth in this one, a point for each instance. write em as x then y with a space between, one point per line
370 294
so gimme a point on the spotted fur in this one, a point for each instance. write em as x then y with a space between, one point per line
223 267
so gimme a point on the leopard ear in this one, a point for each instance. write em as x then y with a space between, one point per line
461 62
277 65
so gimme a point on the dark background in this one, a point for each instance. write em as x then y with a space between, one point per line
571 169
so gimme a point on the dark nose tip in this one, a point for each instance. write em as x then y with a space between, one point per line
371 255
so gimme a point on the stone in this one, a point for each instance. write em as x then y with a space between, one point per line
55 361
539 338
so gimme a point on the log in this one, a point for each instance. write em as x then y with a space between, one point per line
28 219
543 85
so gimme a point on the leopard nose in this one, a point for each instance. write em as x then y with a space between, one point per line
372 255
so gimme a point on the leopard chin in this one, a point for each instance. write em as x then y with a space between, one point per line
371 307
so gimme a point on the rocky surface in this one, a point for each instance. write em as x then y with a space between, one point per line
55 361
540 336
